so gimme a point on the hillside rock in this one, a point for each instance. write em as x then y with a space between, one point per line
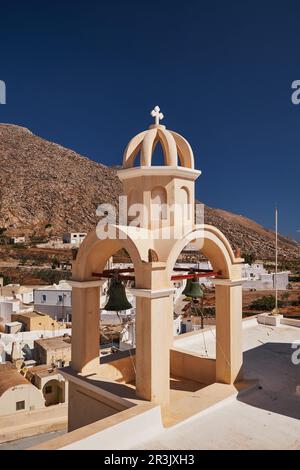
43 183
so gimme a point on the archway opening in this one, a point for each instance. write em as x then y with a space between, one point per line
54 392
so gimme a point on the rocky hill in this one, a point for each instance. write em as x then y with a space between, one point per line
43 184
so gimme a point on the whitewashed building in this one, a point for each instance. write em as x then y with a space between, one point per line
75 238
22 293
257 277
18 240
7 307
55 300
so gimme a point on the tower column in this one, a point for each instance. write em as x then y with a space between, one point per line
154 328
229 354
85 326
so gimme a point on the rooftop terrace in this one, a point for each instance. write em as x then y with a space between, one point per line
262 412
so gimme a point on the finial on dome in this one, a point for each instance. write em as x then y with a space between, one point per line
157 115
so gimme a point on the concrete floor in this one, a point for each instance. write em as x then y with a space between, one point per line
27 442
264 417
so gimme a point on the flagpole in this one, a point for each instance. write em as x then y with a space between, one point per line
276 259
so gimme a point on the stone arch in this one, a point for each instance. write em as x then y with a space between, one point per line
213 244
174 147
92 257
228 293
185 152
94 252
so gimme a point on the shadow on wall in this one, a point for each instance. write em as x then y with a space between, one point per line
278 389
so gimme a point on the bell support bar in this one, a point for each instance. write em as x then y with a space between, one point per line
193 275
112 273
131 270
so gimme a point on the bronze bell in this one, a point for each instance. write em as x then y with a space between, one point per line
194 290
117 299
188 285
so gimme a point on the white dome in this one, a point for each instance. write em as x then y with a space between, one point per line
174 147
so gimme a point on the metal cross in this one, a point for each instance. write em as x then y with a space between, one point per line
157 114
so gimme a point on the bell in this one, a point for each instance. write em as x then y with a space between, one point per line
117 300
194 290
188 285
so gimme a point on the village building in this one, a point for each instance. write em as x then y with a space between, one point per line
50 382
8 306
20 345
55 300
257 277
53 351
17 393
74 238
20 240
16 291
35 321
13 327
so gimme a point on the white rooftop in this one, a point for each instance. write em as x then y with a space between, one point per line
266 416
62 285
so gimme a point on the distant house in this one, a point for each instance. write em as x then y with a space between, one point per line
17 393
75 238
23 293
34 321
56 351
257 277
8 306
18 240
55 300
13 327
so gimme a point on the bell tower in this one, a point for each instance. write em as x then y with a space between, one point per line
159 196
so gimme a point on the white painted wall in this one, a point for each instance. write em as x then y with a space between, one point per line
29 393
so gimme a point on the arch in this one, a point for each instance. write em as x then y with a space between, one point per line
145 143
94 252
54 392
214 246
185 151
132 149
166 140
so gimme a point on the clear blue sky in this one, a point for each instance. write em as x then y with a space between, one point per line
86 74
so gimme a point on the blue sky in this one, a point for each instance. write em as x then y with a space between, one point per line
87 74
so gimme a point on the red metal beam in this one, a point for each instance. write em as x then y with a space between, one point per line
117 270
191 276
175 277
196 270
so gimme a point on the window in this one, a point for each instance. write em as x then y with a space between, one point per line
44 297
20 405
48 389
60 298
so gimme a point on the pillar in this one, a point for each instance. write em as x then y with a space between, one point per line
154 328
229 354
85 326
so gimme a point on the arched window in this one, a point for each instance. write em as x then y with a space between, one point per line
159 208
185 200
